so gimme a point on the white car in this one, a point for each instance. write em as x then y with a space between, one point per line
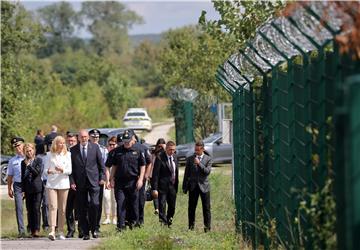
137 118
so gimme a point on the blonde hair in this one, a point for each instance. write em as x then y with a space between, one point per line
54 148
29 145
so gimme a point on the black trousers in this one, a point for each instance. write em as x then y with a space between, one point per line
142 200
72 212
168 198
193 200
127 201
33 202
88 204
44 206
101 194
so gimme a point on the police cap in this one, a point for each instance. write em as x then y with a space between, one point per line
127 135
94 133
16 141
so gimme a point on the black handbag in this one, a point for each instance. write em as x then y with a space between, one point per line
148 191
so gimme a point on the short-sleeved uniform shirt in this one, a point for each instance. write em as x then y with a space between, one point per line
14 168
145 151
127 162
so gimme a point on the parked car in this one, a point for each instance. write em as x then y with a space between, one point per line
4 165
137 119
219 151
106 133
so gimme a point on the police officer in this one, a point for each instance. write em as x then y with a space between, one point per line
94 138
14 182
127 175
142 198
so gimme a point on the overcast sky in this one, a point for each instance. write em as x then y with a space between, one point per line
159 16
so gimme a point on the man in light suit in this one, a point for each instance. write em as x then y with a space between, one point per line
165 180
88 171
197 170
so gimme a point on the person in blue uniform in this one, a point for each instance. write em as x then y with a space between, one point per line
127 175
142 198
14 182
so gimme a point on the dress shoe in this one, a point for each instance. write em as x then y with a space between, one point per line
95 234
169 223
70 234
35 234
86 237
206 229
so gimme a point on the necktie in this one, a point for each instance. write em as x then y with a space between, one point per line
172 170
84 153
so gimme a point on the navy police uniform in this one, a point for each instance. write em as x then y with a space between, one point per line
14 170
142 198
127 163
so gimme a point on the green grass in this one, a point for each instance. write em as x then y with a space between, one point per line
155 236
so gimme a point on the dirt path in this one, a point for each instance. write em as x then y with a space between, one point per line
44 243
159 131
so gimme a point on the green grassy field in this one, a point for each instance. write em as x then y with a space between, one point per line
155 236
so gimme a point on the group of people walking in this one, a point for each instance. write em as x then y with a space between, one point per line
70 176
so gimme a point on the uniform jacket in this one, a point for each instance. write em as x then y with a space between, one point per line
31 179
161 178
93 169
197 175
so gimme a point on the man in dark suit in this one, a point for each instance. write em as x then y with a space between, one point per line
50 137
88 171
165 180
197 170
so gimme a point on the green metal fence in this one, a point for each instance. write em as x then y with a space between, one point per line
348 165
285 87
184 113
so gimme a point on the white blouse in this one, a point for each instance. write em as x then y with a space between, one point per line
58 180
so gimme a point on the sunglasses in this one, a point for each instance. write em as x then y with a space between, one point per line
112 144
95 137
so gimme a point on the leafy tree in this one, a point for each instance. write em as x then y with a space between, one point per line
239 19
108 22
189 59
145 62
60 19
79 67
120 94
19 36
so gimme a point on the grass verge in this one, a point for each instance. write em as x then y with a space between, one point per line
155 236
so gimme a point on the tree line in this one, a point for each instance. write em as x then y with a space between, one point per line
50 75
